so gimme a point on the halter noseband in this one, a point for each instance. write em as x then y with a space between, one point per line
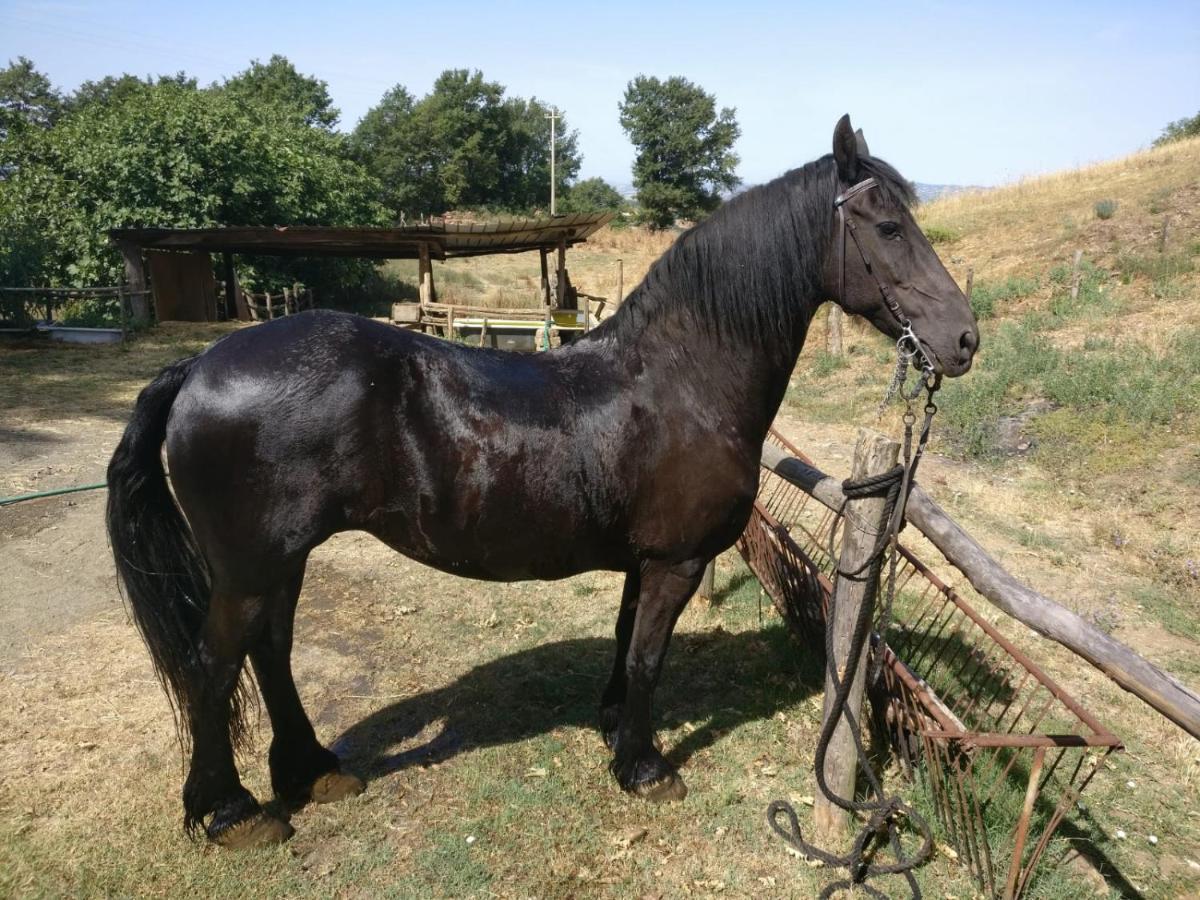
908 345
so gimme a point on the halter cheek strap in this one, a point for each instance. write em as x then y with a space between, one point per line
909 345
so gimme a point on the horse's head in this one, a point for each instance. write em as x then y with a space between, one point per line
882 267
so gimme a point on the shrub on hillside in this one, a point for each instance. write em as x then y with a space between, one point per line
1105 209
1179 129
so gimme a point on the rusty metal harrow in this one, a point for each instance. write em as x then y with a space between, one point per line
1004 750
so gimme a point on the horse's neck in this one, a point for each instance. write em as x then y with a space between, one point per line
740 382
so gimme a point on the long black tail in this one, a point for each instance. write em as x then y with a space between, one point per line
164 576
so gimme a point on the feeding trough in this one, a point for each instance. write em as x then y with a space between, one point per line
1003 750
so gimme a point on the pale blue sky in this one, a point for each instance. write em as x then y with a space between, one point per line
948 92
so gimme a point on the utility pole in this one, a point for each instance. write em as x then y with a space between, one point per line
553 116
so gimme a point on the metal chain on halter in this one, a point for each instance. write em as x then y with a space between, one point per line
908 351
882 825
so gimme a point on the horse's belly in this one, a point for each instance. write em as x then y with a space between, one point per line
503 541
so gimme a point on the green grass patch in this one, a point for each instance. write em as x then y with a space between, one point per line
1173 613
940 234
1015 358
987 296
1095 297
1108 397
824 364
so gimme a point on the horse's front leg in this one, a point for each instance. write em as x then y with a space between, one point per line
637 764
612 702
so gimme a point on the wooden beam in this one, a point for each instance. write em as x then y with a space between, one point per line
561 287
135 275
230 276
425 274
1158 689
865 520
545 276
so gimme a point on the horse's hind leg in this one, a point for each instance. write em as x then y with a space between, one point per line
213 790
301 769
637 764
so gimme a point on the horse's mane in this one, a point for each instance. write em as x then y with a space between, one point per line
752 270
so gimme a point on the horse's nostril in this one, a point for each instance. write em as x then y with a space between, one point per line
968 342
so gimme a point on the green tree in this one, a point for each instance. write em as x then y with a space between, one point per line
593 195
1179 129
525 182
168 155
277 85
388 141
27 99
684 147
463 145
118 88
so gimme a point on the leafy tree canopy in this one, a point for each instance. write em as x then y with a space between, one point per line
118 88
27 98
593 195
167 154
464 145
1179 129
684 147
277 85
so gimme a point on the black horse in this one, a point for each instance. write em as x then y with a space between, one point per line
634 449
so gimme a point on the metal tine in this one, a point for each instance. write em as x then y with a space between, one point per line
1004 682
981 829
920 650
924 605
949 672
1011 700
1050 701
987 664
1069 799
1033 692
929 633
964 808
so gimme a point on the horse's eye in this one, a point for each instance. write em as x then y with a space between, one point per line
889 230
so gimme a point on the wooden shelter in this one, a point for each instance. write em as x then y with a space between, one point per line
177 251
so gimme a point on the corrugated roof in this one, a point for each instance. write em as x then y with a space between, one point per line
444 239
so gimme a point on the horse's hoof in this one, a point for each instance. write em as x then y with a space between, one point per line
665 790
260 830
334 786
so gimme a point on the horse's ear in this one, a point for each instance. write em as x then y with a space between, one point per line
845 150
861 143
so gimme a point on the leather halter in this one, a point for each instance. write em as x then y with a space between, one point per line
908 344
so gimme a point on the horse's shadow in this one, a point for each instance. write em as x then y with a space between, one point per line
716 681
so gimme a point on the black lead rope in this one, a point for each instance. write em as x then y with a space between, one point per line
882 825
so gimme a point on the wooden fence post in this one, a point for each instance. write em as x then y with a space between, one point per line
1075 275
833 332
863 524
135 276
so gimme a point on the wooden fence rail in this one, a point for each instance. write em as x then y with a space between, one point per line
267 306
